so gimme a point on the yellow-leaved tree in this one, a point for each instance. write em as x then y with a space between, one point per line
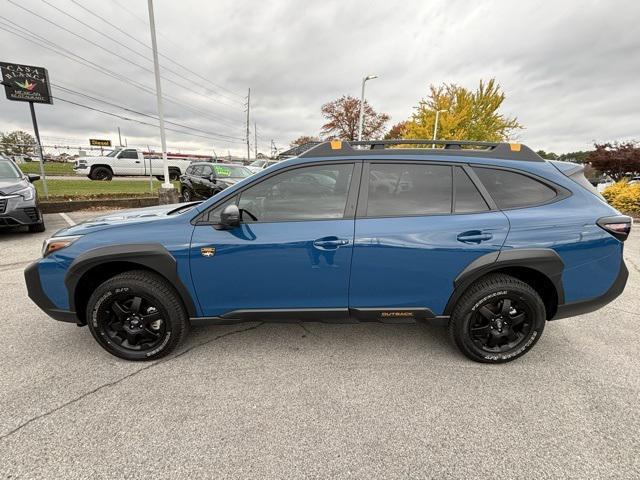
464 114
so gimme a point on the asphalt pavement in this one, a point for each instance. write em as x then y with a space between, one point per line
315 400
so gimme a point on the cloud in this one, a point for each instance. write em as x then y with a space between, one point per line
569 68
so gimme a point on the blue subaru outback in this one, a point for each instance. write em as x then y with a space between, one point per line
487 237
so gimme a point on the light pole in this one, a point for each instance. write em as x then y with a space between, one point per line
361 121
435 127
167 185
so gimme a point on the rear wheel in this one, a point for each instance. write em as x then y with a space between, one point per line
101 173
499 319
137 315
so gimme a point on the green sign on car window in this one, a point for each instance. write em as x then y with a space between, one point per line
222 171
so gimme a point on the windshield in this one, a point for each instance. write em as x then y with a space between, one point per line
234 171
9 170
113 154
257 163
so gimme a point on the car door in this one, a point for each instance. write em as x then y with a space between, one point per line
291 255
417 227
195 180
207 182
129 163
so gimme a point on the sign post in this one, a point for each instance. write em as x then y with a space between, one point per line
24 83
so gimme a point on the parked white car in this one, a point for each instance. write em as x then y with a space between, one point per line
260 164
127 162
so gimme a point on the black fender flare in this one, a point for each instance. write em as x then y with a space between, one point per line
152 256
543 260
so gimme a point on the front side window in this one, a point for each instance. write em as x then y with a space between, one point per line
514 190
401 189
207 171
129 154
308 193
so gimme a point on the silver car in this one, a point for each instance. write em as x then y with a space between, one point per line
18 198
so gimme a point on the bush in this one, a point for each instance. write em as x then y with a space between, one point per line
623 196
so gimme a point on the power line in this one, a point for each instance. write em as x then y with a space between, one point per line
121 57
147 46
122 117
49 45
74 92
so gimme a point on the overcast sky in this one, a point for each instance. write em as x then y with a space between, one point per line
570 69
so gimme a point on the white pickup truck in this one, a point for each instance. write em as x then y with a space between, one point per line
127 162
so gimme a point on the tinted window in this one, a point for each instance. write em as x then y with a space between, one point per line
197 171
467 198
512 190
206 171
129 154
408 189
189 170
309 193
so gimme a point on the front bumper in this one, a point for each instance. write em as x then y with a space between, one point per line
14 211
82 170
593 304
35 292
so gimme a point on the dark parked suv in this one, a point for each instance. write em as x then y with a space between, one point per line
487 237
202 180
18 198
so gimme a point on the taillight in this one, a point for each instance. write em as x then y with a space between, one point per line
619 226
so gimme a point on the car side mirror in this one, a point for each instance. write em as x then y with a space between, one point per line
230 217
33 177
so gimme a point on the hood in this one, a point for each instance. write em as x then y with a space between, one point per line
10 185
127 217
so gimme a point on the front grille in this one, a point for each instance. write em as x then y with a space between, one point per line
3 205
32 213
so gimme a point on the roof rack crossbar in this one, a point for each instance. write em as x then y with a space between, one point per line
498 150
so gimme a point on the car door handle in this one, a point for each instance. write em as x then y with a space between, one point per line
137 161
474 236
330 243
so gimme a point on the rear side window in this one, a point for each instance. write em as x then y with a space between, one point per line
581 180
467 196
514 190
401 189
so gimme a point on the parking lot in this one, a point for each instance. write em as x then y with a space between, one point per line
315 400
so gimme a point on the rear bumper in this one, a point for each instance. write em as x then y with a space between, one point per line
591 305
35 292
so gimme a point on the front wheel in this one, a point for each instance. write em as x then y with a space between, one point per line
499 319
186 194
37 227
137 315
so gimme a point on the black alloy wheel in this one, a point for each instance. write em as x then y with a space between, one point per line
498 319
501 325
137 315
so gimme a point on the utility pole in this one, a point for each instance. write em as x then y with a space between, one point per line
248 109
255 141
435 126
119 137
166 185
274 150
361 120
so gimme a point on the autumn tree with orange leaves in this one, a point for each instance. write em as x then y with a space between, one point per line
343 115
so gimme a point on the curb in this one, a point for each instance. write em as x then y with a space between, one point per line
62 206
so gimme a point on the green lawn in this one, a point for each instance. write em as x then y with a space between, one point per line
50 168
89 189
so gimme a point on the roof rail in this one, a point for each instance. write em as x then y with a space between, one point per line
466 148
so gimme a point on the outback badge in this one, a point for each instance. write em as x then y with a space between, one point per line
208 251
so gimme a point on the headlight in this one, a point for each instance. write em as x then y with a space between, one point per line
54 244
26 193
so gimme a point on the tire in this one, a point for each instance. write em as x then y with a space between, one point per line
174 175
101 173
160 177
137 315
186 195
498 319
37 227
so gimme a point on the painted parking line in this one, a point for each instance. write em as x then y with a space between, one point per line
67 219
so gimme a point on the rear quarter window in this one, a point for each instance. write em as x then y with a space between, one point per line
514 190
